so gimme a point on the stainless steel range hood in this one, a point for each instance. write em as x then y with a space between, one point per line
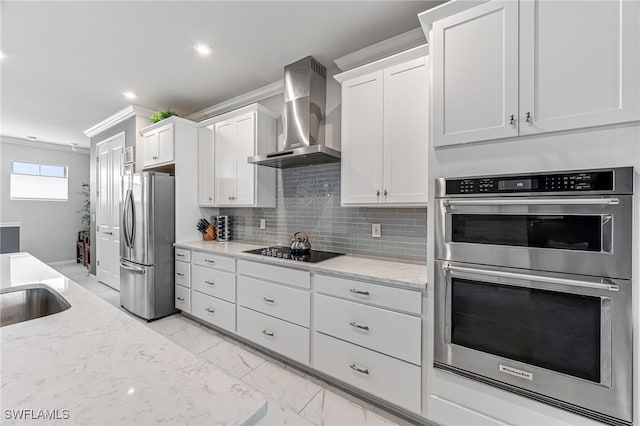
305 83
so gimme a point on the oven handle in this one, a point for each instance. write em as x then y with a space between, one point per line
536 202
514 275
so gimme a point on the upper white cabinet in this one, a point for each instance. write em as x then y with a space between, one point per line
385 132
238 135
205 167
507 68
158 144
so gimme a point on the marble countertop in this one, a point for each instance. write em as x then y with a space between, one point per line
96 365
384 271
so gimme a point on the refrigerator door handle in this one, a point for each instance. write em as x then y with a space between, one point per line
125 219
132 269
130 233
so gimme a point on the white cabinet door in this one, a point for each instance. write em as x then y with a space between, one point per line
245 172
205 167
165 144
362 121
110 167
579 64
404 158
225 162
150 148
475 74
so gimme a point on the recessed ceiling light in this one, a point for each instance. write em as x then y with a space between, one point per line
129 95
31 137
202 49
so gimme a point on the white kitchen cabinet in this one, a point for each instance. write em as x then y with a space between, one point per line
206 175
506 68
158 145
384 135
238 135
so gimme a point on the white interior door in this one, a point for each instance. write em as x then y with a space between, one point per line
108 210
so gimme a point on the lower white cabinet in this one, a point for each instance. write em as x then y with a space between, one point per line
213 310
447 412
183 273
388 378
275 334
214 283
183 298
384 331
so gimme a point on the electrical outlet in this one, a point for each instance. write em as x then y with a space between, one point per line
263 224
375 230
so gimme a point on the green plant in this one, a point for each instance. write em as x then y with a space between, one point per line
161 115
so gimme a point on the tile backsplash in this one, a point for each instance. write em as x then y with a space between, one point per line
308 199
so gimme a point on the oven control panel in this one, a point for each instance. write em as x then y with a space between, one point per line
556 182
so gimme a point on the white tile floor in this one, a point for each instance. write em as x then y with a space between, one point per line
294 398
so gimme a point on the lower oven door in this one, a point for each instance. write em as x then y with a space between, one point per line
572 234
562 339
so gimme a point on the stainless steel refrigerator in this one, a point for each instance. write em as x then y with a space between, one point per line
146 244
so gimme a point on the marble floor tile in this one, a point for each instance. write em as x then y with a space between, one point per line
286 388
169 325
195 338
329 409
278 415
233 359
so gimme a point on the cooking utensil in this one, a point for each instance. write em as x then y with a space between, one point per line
300 242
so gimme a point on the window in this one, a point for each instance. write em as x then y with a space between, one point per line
34 181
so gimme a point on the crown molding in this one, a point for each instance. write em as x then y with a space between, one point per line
388 47
245 99
123 114
398 58
44 145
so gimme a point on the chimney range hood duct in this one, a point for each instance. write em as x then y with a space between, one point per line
305 83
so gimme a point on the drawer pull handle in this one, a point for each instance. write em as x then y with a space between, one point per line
268 300
180 274
356 291
356 325
179 254
209 282
209 261
268 333
180 299
211 311
354 367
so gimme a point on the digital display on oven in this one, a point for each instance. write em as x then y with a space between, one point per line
517 185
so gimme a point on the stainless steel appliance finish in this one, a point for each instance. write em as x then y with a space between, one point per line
533 287
544 230
223 228
310 256
30 302
146 244
303 116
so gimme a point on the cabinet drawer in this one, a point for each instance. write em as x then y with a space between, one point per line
276 300
214 283
213 310
374 294
183 255
449 413
183 298
183 274
394 334
388 378
280 274
279 336
214 261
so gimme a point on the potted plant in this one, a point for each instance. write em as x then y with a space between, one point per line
161 115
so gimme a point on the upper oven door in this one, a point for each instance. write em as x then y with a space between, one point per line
578 235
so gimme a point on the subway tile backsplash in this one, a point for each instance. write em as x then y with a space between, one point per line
308 199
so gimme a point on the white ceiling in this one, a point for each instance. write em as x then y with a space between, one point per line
67 63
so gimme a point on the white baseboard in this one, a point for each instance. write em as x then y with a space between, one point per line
61 262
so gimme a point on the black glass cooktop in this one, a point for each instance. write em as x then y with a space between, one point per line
314 256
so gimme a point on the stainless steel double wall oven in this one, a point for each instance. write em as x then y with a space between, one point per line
533 286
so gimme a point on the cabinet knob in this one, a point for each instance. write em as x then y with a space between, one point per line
378 193
385 192
528 118
512 120
211 311
210 198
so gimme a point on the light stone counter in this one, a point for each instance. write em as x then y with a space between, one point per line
383 271
105 367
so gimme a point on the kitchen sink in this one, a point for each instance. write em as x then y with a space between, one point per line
29 303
